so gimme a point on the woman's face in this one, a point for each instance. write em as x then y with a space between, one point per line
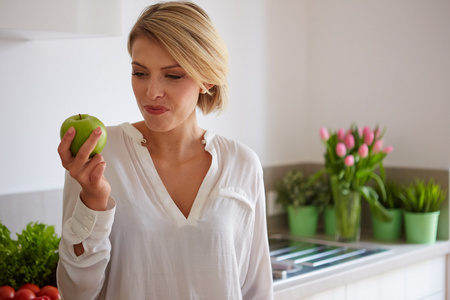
166 95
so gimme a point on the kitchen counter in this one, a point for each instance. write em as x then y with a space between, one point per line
420 262
399 255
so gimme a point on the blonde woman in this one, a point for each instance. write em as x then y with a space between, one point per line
168 210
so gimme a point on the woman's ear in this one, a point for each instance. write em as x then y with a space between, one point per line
206 87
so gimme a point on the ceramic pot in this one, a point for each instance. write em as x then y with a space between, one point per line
421 228
329 218
303 220
388 231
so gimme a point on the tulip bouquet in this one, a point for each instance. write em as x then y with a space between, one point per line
352 158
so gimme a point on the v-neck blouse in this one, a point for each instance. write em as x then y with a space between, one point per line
143 247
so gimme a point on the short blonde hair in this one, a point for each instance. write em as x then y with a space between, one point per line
186 31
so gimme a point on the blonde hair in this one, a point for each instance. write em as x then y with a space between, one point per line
186 31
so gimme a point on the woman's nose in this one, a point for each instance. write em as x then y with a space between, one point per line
155 89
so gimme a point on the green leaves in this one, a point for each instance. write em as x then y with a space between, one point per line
421 197
31 258
296 189
376 207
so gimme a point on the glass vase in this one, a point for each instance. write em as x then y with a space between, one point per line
348 215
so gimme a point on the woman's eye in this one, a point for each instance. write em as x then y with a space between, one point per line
138 74
173 76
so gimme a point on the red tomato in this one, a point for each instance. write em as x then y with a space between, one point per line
50 291
30 286
24 295
43 298
6 292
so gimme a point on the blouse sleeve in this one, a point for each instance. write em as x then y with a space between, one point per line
82 277
258 284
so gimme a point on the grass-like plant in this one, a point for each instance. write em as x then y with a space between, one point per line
422 197
393 192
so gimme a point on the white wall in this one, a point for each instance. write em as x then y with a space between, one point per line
45 81
382 62
296 65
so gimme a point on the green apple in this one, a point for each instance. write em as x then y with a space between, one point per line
84 125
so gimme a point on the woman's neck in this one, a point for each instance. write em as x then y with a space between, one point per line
178 144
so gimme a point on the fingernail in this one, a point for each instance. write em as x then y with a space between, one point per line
71 131
98 130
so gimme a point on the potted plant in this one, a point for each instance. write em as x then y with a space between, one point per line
352 158
323 196
303 199
389 230
421 202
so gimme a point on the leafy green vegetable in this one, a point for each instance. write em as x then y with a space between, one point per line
32 258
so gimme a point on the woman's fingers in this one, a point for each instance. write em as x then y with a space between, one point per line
97 173
81 166
64 147
89 145
86 174
86 170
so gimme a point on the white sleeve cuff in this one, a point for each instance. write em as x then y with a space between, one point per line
86 222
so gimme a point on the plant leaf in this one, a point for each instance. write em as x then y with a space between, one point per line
376 208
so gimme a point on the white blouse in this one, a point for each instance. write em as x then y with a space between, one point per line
143 247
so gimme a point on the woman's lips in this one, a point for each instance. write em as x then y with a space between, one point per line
155 109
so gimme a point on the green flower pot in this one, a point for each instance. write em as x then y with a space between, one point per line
421 228
303 220
348 216
388 231
329 219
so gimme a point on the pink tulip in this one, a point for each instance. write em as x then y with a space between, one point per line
341 150
366 130
349 160
388 149
377 146
368 137
349 141
324 134
363 151
341 134
360 132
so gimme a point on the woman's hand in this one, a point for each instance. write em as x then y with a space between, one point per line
95 189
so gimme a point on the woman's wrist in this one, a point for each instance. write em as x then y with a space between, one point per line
94 202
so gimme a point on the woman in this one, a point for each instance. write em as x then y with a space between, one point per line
168 210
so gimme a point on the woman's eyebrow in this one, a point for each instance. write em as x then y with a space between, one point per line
138 64
163 68
171 67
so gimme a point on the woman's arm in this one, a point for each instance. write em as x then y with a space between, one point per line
258 283
82 276
88 214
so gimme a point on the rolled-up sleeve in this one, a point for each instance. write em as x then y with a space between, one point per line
82 277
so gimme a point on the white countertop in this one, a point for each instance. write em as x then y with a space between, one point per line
399 255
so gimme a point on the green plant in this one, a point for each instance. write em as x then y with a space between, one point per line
393 191
32 258
422 197
296 189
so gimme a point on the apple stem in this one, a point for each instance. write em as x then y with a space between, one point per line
80 116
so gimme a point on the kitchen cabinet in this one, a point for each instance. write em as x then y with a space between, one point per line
423 280
48 19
